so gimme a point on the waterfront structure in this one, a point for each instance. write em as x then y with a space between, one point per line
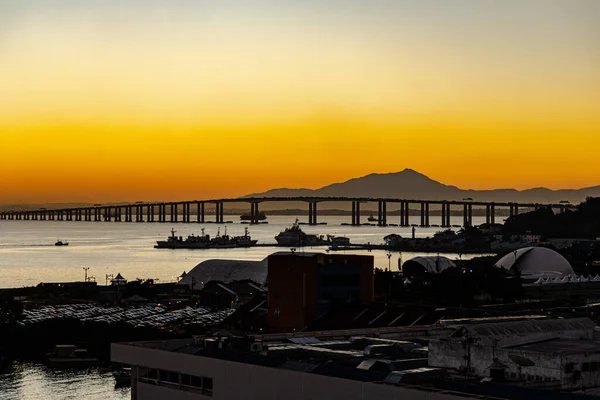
551 353
536 262
303 286
225 271
181 211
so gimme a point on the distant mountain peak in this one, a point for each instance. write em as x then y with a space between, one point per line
412 184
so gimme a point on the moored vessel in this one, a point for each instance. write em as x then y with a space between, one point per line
296 237
261 216
205 241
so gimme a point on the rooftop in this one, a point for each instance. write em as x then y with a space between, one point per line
561 346
520 328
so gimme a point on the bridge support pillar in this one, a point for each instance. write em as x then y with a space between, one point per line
381 213
492 213
254 213
219 213
186 212
200 212
444 215
470 221
358 213
312 213
174 212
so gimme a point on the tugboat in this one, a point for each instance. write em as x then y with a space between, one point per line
61 243
205 242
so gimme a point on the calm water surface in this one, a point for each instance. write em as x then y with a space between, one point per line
36 382
28 255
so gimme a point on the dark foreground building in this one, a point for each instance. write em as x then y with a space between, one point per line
302 286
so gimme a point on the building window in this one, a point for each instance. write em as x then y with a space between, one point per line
207 387
173 379
585 367
569 367
594 366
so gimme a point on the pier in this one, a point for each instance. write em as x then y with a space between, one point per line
213 210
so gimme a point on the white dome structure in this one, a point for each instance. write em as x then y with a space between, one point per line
432 265
536 262
225 271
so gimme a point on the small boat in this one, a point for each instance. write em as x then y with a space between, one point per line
61 243
261 216
122 377
70 356
372 218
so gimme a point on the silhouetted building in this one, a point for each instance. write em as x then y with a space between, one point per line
302 286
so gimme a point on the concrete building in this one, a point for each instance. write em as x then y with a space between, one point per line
302 286
558 353
212 369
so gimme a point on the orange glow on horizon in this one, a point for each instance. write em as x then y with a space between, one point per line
102 101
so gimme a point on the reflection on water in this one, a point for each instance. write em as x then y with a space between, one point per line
36 381
28 255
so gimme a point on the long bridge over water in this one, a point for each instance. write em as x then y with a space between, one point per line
181 211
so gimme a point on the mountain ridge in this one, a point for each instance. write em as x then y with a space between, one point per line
411 184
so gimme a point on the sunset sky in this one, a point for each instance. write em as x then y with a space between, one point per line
131 100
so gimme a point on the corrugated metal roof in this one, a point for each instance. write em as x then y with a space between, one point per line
525 327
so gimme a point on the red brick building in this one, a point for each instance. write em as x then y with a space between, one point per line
301 286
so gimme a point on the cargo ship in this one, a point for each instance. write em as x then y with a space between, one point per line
205 241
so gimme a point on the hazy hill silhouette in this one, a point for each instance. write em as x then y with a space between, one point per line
410 184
